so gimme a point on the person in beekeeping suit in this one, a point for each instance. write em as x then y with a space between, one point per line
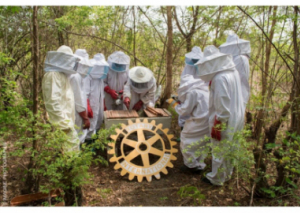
58 94
193 102
81 117
225 110
116 79
140 89
94 88
190 59
240 50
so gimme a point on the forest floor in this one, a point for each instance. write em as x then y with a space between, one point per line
109 188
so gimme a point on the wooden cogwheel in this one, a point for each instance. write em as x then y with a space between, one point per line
147 142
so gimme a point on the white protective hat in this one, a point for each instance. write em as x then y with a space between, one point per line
140 74
196 53
119 61
213 62
100 67
236 46
84 65
61 60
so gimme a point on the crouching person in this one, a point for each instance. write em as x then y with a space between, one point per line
193 96
140 89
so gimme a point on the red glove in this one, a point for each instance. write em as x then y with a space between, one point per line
85 119
121 92
127 102
89 109
104 105
216 130
112 92
138 105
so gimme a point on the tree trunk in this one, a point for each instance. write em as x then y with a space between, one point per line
32 183
295 122
189 44
134 39
261 114
168 87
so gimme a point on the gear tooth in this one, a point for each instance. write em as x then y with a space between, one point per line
111 151
173 157
140 178
159 126
145 120
130 122
123 126
114 137
170 165
111 144
152 122
137 120
123 172
157 176
174 150
165 171
173 143
170 137
113 159
149 178
166 131
131 176
117 166
118 131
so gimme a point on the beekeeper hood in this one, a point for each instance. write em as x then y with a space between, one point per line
194 56
84 66
141 79
119 61
100 67
236 46
213 62
188 83
61 60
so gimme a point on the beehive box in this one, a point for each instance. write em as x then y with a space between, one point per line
112 117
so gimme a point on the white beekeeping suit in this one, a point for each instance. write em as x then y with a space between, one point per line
94 88
117 77
77 84
193 95
240 50
225 107
58 95
140 89
190 59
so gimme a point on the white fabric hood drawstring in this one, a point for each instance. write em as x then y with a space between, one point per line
213 62
236 46
61 60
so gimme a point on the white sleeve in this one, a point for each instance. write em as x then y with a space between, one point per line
186 108
87 86
242 66
149 98
75 81
221 99
126 91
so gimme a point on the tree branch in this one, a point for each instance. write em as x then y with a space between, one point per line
262 30
103 39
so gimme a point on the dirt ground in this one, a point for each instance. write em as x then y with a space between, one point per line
109 188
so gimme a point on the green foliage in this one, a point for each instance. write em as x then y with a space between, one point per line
191 192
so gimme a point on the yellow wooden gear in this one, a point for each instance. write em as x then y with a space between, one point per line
148 169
